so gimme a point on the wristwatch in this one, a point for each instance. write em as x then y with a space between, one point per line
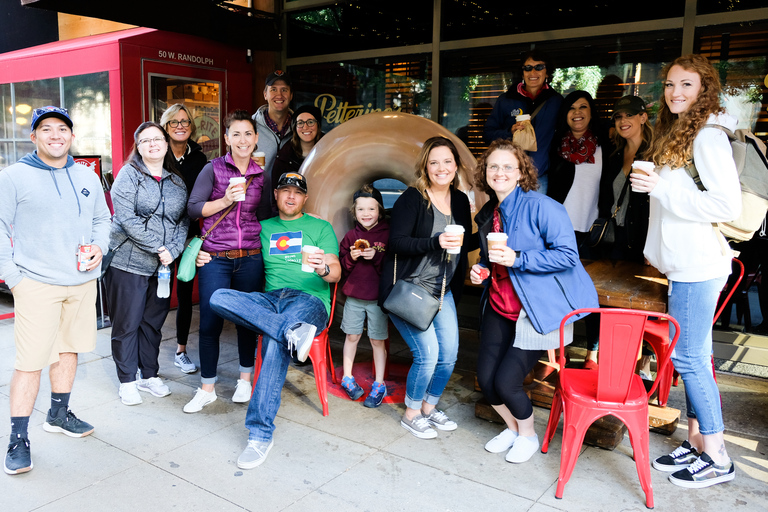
327 271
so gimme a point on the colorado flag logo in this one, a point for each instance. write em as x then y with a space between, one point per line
281 244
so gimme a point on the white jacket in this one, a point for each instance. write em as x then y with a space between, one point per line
681 242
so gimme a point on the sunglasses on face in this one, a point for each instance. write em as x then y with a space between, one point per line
537 67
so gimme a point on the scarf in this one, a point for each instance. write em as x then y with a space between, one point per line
578 151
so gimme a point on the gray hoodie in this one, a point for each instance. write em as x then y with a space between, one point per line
270 144
44 214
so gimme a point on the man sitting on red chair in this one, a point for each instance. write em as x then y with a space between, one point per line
294 306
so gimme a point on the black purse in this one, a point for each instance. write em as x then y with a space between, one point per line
603 230
106 260
413 303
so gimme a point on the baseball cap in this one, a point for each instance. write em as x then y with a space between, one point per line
292 179
278 74
374 193
630 104
50 111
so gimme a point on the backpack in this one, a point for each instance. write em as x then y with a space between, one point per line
749 154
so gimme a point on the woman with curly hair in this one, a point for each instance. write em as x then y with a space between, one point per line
534 281
695 257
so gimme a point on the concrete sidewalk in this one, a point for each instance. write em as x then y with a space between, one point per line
155 457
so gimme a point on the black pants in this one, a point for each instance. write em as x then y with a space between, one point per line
184 311
502 368
137 315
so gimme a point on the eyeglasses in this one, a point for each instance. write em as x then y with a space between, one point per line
184 122
44 110
537 67
507 169
156 140
308 122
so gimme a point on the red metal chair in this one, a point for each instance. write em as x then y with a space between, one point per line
657 336
6 316
583 396
319 354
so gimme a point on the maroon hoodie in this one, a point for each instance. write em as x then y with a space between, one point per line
361 277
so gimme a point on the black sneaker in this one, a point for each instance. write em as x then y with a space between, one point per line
683 456
18 459
703 473
67 423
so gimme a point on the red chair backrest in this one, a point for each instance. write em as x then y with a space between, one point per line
621 334
727 293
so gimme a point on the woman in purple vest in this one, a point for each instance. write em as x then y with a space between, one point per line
234 246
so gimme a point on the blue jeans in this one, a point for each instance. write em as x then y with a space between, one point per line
244 274
693 306
434 354
271 313
543 184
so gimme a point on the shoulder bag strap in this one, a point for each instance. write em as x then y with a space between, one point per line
538 109
229 209
621 197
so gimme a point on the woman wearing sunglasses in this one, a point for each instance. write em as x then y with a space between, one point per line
305 126
533 96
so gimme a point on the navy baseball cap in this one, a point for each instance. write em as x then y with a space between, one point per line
50 111
278 75
292 179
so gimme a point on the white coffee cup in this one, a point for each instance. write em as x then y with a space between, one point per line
306 250
238 181
642 166
522 117
260 158
457 229
496 240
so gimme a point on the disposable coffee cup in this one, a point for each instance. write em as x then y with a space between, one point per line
523 117
496 241
643 167
455 228
238 181
306 250
260 158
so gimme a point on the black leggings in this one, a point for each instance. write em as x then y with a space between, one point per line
502 368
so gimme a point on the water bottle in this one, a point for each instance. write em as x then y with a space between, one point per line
164 282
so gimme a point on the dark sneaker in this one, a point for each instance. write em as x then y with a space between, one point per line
67 423
376 396
300 339
419 427
440 420
703 473
683 456
18 459
353 389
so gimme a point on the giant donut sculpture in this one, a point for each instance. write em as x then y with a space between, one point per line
365 149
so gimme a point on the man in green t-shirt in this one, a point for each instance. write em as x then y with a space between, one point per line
294 305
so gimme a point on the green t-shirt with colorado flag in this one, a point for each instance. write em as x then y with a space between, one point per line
281 241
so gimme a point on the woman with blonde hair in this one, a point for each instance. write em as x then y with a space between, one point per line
695 257
419 242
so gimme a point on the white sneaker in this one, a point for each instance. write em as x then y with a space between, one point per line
200 400
153 385
129 393
242 392
501 442
522 449
301 339
255 454
184 363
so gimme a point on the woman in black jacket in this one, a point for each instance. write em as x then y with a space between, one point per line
418 245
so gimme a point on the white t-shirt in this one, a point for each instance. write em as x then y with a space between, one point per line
581 202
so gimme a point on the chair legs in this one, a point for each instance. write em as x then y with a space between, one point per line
637 424
554 419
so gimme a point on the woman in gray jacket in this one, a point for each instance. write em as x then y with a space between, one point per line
149 228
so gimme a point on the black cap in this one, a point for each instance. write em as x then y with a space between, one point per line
374 193
292 179
310 109
278 74
630 104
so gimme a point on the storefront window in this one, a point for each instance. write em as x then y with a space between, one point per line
29 96
343 91
87 98
715 6
202 98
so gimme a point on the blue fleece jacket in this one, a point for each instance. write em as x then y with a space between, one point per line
44 214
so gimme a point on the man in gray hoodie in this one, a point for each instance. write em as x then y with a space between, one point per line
49 206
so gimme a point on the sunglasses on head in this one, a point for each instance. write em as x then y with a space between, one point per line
537 67
45 110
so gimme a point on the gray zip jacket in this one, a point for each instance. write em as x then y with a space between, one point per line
44 215
270 144
148 215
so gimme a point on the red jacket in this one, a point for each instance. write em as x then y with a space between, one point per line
361 277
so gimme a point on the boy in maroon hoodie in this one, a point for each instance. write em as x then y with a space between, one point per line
362 253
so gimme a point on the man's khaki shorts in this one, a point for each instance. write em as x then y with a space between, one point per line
51 320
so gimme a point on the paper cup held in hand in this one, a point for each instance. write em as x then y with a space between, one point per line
496 240
306 250
260 158
457 229
238 181
642 166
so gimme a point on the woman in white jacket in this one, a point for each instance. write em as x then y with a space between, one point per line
694 256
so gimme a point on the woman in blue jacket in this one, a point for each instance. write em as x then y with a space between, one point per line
535 280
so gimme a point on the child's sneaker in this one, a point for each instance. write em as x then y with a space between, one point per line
378 392
353 389
703 473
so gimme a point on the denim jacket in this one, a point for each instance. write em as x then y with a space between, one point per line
547 275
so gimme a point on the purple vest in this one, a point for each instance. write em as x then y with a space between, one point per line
240 229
